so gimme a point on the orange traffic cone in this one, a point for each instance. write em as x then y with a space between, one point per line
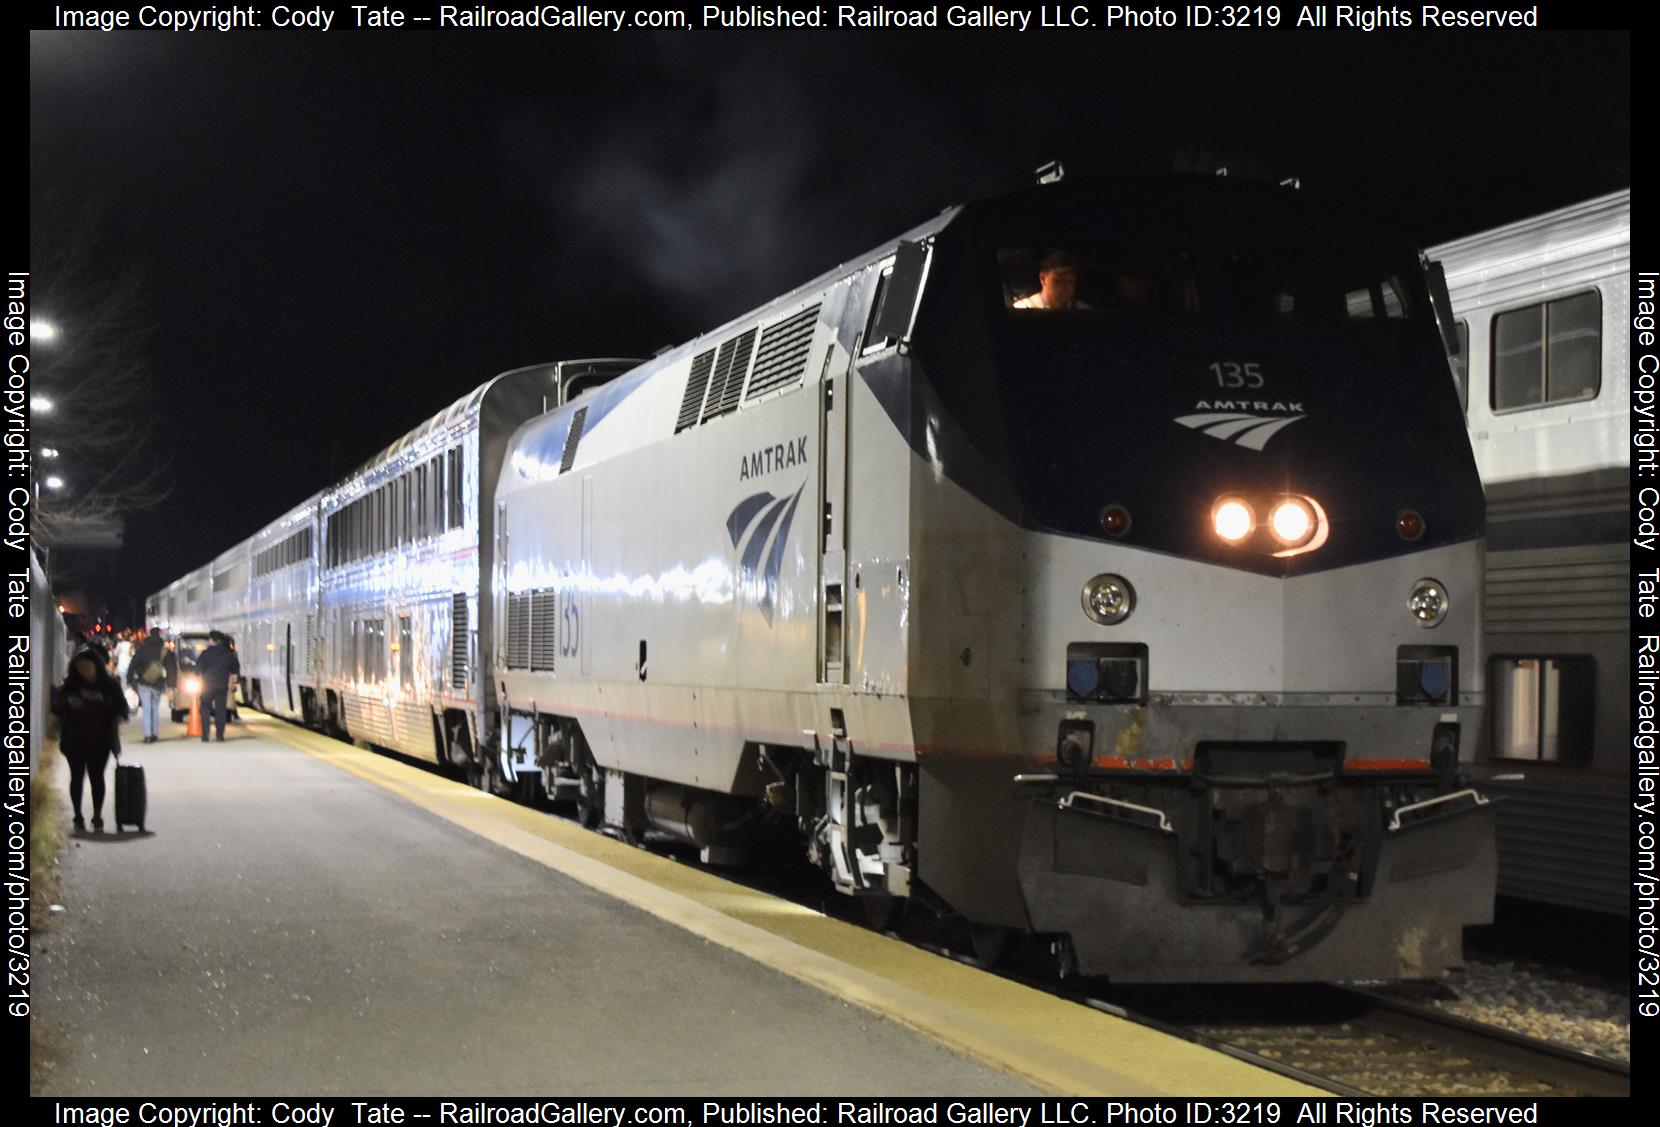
194 728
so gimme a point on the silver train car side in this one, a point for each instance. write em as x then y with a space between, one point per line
275 625
357 611
1544 308
990 601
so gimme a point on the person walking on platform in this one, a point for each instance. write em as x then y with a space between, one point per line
121 660
230 696
90 707
217 666
153 671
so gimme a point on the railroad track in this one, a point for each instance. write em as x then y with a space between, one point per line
1349 1041
1355 1042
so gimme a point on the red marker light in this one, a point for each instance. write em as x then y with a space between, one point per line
1410 525
1115 520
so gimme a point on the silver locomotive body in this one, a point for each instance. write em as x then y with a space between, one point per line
846 566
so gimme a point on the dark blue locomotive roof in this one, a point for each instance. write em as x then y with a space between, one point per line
1280 346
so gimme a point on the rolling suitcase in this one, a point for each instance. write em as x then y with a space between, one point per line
130 797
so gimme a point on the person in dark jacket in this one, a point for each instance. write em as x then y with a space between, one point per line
153 671
90 707
216 665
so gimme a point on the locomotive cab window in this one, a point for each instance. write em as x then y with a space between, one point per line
1049 281
1324 288
893 299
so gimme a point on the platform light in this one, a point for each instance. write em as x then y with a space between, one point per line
54 482
42 405
48 452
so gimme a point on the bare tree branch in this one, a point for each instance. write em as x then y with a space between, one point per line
95 371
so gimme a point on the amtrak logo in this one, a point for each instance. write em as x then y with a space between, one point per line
765 520
1249 431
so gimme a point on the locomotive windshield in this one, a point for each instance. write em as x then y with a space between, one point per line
1117 282
1321 289
1038 281
1159 374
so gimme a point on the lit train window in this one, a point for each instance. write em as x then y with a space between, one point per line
1097 280
1542 708
1548 353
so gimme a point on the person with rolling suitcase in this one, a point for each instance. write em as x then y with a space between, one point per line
90 708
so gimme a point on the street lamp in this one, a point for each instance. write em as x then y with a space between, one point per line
44 331
42 405
48 451
54 482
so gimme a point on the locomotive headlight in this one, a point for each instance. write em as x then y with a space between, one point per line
1109 599
1233 519
1428 603
1291 521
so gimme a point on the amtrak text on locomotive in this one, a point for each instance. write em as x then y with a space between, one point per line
769 458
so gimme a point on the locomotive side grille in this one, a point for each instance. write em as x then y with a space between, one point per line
782 357
458 642
572 437
544 630
691 407
518 631
726 386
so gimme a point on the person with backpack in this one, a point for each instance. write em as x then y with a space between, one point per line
153 671
219 667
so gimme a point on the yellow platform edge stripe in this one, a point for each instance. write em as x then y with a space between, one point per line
1058 1046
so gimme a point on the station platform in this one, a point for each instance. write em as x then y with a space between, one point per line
302 916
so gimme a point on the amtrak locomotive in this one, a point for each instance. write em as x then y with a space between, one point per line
1098 561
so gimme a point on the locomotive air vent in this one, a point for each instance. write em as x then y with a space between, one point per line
518 631
726 386
572 437
691 406
544 624
782 357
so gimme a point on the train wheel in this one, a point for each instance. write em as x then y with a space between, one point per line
883 911
590 798
990 943
492 779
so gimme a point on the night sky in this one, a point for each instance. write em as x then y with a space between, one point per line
338 234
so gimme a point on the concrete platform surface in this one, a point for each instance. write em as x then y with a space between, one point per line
282 927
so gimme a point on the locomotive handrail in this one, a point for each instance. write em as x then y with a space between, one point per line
1467 792
1164 822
